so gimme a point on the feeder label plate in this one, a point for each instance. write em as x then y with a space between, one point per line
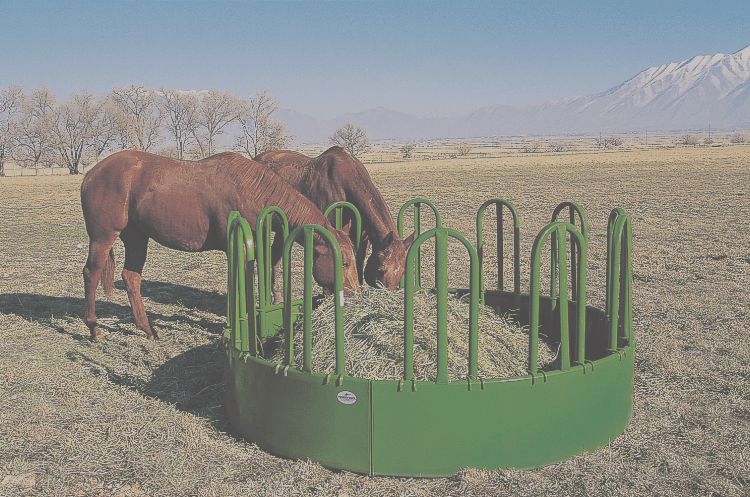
346 397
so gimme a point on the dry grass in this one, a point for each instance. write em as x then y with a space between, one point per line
129 417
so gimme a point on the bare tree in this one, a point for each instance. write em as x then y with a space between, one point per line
353 140
10 101
34 139
216 109
178 110
138 116
463 149
106 128
688 140
557 147
73 128
529 147
260 130
737 138
608 142
406 150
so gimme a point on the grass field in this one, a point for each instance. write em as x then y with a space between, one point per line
129 417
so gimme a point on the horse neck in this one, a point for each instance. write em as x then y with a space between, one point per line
358 189
259 182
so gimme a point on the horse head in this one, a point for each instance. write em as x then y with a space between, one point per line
387 264
323 268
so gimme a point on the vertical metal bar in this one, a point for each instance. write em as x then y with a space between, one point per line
250 299
534 308
573 259
409 316
553 279
441 285
500 249
418 268
230 227
239 255
517 259
339 313
608 284
553 268
615 290
307 303
288 330
267 269
563 298
473 313
628 276
581 301
235 293
480 249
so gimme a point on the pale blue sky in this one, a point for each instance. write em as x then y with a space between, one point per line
328 58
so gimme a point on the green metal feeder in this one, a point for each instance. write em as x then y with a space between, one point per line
422 428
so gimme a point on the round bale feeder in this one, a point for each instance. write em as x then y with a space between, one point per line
407 427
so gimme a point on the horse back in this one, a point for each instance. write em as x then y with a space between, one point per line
180 204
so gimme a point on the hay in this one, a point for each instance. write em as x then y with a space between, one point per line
373 332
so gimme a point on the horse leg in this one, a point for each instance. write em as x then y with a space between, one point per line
92 273
136 248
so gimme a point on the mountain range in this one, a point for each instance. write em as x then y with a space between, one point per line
692 94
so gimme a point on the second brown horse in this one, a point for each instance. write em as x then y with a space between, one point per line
333 176
184 205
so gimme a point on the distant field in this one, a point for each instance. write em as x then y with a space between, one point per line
129 417
501 147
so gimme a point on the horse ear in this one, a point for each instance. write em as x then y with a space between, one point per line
409 241
347 228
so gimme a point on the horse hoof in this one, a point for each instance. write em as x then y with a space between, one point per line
96 335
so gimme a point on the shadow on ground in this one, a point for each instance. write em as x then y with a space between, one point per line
175 371
43 308
169 293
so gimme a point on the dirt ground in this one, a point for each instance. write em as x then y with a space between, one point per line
131 417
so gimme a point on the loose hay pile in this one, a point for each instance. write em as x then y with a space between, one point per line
374 346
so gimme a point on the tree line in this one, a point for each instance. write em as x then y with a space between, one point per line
38 130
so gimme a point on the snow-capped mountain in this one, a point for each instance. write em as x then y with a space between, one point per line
693 93
701 91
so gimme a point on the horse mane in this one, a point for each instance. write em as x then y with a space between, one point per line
254 180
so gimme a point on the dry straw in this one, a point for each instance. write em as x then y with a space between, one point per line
374 330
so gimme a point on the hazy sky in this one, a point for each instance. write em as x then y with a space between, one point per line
328 58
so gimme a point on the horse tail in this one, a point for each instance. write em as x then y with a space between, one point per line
108 274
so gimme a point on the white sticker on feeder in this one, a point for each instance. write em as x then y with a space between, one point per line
341 298
346 397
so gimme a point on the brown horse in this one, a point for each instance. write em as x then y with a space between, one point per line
333 176
184 205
